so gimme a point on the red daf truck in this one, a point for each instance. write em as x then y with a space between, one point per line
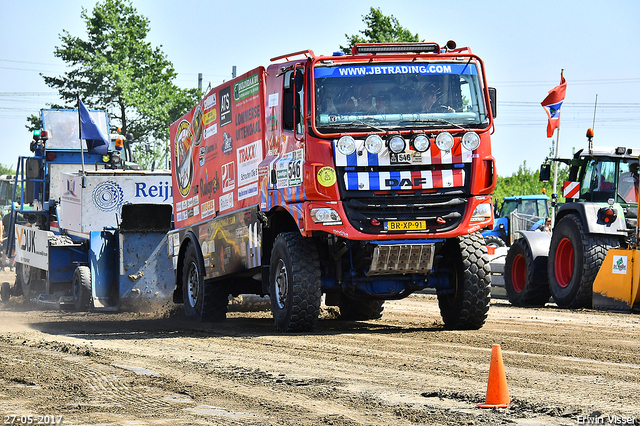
363 177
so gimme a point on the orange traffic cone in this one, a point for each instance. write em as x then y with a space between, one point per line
497 391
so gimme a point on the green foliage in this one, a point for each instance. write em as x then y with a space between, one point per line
153 155
33 123
7 170
116 69
527 181
380 29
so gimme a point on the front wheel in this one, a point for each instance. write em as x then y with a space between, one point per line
465 305
294 283
525 278
575 258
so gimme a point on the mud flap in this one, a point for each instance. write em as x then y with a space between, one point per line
616 285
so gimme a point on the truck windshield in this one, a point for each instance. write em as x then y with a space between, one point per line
63 127
387 96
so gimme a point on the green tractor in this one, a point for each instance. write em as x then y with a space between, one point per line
600 213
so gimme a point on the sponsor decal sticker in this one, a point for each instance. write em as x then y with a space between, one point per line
326 176
619 265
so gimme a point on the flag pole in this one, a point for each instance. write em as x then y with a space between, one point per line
81 147
554 196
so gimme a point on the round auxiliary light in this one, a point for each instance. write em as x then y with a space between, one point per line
420 143
397 144
471 141
346 145
444 141
374 144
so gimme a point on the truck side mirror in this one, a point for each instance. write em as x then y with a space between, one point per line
545 172
493 100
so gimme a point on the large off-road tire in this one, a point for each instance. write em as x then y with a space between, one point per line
467 306
575 258
294 283
360 309
525 278
493 241
82 288
203 301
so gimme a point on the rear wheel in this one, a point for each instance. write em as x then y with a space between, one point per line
466 305
525 278
82 288
575 258
203 301
294 283
360 310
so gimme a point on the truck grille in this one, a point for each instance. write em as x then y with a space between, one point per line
441 213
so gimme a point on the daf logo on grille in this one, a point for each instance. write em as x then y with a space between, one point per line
405 182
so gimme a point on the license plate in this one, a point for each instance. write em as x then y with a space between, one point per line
401 158
405 225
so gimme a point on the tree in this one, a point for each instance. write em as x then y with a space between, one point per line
527 181
7 170
380 29
117 70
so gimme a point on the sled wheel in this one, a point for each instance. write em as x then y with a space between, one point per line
82 288
5 292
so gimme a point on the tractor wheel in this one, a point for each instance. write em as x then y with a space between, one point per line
525 279
203 301
82 288
360 310
575 258
5 292
493 241
294 283
465 306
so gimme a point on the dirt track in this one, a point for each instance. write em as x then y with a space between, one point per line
562 368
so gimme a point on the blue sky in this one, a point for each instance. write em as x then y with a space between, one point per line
525 45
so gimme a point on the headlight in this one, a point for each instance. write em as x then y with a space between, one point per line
397 144
471 141
346 145
374 144
482 212
444 141
421 143
325 215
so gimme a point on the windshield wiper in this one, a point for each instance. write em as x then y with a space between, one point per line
354 123
434 120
